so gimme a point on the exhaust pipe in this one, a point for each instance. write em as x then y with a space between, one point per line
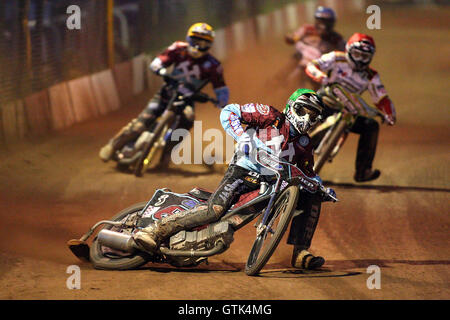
116 240
125 242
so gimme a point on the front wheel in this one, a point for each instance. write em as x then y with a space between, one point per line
103 257
267 241
149 149
329 146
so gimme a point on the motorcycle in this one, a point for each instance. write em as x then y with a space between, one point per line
329 137
114 248
138 155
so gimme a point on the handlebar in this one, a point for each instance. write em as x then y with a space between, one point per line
284 169
196 94
351 103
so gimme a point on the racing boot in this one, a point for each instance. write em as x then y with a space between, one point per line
106 152
366 175
128 133
151 237
303 259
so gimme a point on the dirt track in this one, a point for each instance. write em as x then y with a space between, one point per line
56 188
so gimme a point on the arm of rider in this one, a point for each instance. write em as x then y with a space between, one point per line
387 107
316 74
222 96
317 69
157 67
381 100
330 194
230 118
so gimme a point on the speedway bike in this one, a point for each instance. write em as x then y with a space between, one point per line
139 155
329 137
272 205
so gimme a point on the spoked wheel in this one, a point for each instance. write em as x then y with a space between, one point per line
149 149
106 258
329 146
267 240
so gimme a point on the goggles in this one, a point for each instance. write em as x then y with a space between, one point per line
302 111
359 55
199 44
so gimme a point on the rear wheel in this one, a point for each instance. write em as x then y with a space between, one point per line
106 258
267 241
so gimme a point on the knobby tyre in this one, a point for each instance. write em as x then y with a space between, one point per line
140 164
266 243
101 258
329 145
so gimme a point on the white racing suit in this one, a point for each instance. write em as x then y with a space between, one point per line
333 67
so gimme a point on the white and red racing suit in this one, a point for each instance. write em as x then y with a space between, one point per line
333 67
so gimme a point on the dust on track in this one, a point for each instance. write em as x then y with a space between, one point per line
54 188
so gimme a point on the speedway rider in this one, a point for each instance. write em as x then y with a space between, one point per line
281 134
191 64
351 70
313 40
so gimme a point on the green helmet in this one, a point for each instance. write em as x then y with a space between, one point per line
303 109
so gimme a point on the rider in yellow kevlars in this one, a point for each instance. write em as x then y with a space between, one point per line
351 70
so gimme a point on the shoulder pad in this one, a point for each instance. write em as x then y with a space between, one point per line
340 55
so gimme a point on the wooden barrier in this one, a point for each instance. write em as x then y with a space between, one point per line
77 100
21 122
123 75
153 81
61 106
105 91
9 122
139 66
83 99
37 111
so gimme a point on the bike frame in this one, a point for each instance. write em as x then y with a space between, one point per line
350 106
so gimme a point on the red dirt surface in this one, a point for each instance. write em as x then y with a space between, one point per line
53 189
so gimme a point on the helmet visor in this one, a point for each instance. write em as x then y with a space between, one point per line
302 110
199 44
359 55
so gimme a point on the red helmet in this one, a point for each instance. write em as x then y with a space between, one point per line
359 50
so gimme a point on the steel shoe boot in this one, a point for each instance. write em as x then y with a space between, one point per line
305 260
367 175
147 238
106 152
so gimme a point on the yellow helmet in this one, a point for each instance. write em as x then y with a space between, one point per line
201 30
200 37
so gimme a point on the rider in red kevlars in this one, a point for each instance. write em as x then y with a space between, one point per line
351 70
283 135
313 40
191 64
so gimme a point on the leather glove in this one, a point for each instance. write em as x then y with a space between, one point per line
330 195
389 119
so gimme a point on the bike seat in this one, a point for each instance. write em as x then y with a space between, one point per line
199 193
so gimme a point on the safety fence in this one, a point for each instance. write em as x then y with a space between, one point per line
55 73
58 68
